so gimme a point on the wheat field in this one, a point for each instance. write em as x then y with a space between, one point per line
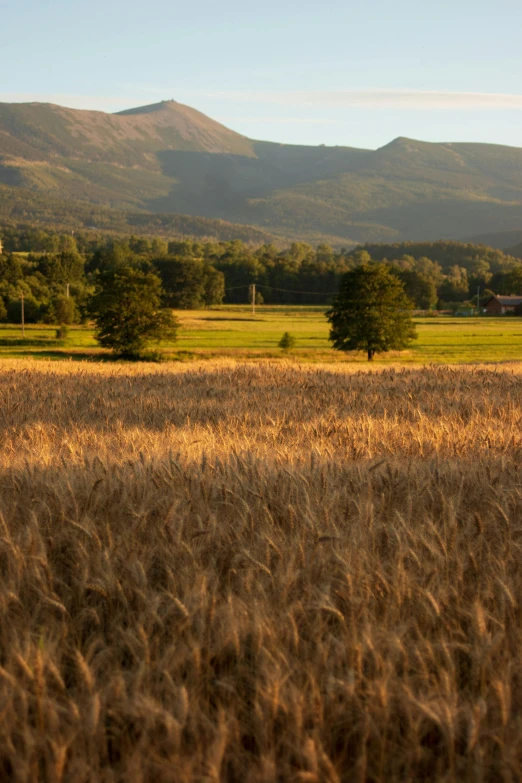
265 572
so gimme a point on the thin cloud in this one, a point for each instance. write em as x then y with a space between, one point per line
380 99
279 120
356 99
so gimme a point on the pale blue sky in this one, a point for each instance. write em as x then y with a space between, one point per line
357 74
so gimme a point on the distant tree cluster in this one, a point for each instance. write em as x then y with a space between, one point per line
54 287
57 273
454 271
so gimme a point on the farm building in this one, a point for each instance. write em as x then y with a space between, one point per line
500 305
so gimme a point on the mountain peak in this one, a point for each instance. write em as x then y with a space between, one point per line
400 141
177 127
150 108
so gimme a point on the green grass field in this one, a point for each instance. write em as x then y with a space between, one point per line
234 331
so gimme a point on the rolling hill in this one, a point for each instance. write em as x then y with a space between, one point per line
171 159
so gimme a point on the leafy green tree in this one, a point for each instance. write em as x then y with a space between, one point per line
287 341
62 332
324 254
139 245
68 244
431 270
11 269
127 308
51 244
113 255
32 308
507 282
159 247
61 268
17 277
455 287
420 289
479 276
63 310
182 280
3 310
213 286
240 272
190 283
371 312
361 257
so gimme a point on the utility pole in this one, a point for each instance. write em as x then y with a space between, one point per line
253 298
23 317
478 300
67 290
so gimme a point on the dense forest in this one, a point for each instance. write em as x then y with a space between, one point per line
56 272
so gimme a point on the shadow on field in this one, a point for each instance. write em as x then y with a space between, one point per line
224 320
28 342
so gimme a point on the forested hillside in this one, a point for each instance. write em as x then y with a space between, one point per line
49 213
169 158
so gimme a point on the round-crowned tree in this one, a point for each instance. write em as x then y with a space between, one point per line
128 313
371 312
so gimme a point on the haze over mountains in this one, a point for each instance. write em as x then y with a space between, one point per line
170 158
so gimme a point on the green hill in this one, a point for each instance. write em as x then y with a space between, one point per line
169 158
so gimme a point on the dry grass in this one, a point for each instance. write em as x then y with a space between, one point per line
260 573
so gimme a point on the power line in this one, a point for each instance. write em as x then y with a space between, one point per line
284 290
291 291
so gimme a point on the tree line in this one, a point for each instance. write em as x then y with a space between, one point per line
57 273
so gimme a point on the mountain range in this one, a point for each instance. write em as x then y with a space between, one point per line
168 158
